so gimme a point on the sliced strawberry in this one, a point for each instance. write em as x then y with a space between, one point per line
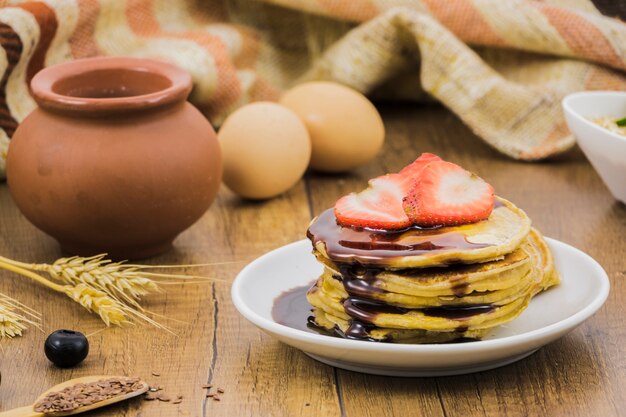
413 169
446 194
397 183
377 207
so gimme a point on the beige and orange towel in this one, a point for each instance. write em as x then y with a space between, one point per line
501 65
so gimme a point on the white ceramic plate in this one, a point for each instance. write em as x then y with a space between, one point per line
583 290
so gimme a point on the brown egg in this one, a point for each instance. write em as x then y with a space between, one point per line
345 128
265 150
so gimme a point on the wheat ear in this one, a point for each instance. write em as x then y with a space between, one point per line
14 316
110 310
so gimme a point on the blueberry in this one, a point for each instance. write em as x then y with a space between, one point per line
66 348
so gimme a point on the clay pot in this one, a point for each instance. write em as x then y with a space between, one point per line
114 159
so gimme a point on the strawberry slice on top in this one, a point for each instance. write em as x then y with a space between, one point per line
428 192
377 207
415 168
446 194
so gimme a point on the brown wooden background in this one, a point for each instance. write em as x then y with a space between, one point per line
583 374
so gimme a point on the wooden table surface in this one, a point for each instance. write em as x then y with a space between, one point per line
582 374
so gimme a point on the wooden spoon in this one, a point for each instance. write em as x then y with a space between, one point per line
29 411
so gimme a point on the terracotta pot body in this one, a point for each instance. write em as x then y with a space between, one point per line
114 159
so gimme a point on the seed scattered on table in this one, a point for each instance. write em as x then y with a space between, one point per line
84 394
207 386
210 394
216 398
178 400
155 373
220 390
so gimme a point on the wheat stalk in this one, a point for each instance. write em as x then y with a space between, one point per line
126 283
14 316
109 289
110 310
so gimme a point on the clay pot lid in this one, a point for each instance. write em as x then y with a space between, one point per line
110 85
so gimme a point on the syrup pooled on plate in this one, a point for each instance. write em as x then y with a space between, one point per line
292 309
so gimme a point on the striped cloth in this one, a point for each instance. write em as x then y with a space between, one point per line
501 65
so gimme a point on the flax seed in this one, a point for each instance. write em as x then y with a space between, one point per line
84 394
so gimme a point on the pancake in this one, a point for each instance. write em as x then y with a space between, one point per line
544 261
488 240
454 280
486 282
392 316
447 319
347 329
333 286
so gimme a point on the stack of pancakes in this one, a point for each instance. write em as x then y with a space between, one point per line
427 285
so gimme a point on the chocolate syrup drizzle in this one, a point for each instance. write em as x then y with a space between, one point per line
366 310
358 331
358 280
378 248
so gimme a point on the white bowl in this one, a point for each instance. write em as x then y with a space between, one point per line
584 288
605 150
